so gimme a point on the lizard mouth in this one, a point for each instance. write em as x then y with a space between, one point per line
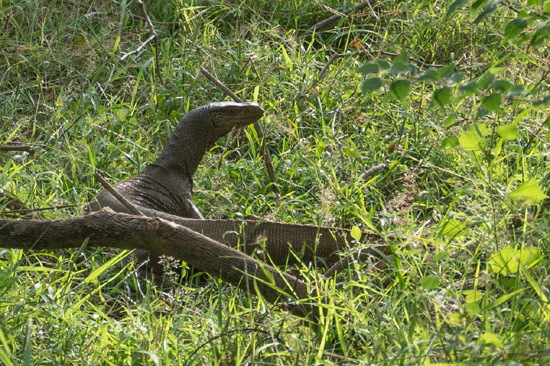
239 116
252 113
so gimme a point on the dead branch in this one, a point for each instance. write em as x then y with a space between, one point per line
12 202
28 149
338 116
29 210
323 24
107 228
257 127
117 195
7 22
154 36
324 69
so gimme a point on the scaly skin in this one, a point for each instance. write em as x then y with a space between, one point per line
166 185
164 189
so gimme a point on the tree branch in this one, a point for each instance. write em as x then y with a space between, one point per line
257 127
109 229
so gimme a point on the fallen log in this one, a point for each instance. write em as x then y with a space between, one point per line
107 228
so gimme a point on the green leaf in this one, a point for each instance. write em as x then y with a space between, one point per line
480 129
455 6
445 71
484 81
367 69
442 96
507 261
471 141
96 273
540 35
528 191
429 282
356 233
472 309
477 4
441 255
399 68
351 152
546 9
543 101
400 89
490 339
403 58
371 84
535 90
429 75
504 261
449 143
456 78
533 2
496 69
508 132
492 102
472 296
488 10
500 300
27 347
469 88
514 29
454 229
516 90
449 121
534 284
502 85
384 65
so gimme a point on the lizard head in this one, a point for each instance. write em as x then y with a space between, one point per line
199 130
225 116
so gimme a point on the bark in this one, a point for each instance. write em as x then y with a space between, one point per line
107 228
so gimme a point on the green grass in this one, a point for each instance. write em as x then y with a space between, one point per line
64 90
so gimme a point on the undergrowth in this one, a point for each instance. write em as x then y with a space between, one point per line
469 284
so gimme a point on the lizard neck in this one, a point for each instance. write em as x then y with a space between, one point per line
191 139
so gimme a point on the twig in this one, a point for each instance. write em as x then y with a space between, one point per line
542 78
219 84
326 22
117 195
267 156
338 115
27 210
139 49
13 202
324 69
372 10
373 170
381 252
533 136
154 37
157 23
199 14
7 22
28 149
